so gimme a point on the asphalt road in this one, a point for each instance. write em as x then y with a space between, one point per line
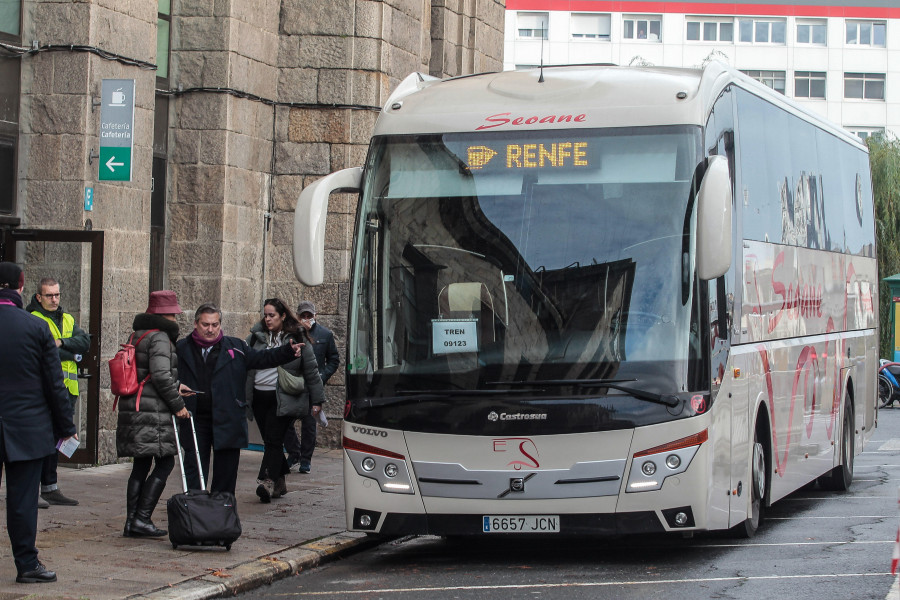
814 544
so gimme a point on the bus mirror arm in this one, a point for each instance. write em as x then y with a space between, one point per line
714 220
309 222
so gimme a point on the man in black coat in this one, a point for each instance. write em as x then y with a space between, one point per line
328 359
34 414
215 367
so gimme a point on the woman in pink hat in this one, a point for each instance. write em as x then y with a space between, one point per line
145 429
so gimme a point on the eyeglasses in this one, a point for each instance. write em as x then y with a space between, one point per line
49 295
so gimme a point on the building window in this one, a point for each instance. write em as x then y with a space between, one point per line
809 84
10 19
865 133
644 27
532 26
10 31
811 32
867 86
590 27
163 26
772 79
866 33
709 30
762 31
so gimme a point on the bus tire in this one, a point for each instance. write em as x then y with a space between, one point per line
758 487
840 477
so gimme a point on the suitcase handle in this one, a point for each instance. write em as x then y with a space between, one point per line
184 484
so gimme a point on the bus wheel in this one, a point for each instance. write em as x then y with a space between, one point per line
840 477
748 527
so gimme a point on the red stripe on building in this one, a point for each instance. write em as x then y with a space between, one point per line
697 8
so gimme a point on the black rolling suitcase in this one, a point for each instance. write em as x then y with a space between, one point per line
199 517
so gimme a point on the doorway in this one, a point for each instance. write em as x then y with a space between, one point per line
75 259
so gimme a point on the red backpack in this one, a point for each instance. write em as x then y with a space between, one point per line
123 379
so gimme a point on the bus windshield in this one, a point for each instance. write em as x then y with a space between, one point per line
492 260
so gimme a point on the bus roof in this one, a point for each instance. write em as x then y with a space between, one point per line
575 96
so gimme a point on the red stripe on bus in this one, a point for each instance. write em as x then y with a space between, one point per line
697 8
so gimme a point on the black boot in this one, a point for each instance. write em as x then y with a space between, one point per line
142 526
132 497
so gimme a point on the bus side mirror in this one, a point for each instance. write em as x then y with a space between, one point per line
309 222
714 220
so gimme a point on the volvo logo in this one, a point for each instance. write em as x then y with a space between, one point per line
367 431
492 416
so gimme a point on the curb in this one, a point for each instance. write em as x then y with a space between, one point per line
264 570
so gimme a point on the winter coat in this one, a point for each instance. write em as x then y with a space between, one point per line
79 343
327 354
305 366
229 380
147 430
34 405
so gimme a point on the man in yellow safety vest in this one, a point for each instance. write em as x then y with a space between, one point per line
71 342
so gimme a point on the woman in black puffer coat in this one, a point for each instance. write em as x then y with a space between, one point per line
145 429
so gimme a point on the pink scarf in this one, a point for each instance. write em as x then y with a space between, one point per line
204 343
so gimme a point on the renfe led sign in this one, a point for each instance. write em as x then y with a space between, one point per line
116 129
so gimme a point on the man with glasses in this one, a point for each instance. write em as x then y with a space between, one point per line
71 343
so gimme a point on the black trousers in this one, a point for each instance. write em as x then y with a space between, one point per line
22 480
140 469
51 462
301 450
225 461
272 428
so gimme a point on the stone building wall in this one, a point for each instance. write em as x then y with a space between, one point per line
265 124
59 129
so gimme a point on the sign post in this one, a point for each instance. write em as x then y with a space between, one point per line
116 129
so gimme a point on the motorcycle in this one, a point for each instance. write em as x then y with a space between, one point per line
888 386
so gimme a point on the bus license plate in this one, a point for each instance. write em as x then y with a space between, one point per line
521 524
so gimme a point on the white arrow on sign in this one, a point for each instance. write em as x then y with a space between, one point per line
112 164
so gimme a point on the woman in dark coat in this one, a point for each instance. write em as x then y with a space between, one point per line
269 399
145 429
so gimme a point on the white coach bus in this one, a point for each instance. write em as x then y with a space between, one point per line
600 300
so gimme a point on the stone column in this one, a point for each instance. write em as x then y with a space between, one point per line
222 153
58 129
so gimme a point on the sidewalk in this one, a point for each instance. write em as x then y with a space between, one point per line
84 543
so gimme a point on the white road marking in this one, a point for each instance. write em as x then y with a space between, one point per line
587 584
842 517
752 544
891 444
841 498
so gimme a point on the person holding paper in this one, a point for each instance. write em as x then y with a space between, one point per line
145 429
72 342
35 414
327 356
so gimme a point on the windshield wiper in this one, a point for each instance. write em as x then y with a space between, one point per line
667 400
414 396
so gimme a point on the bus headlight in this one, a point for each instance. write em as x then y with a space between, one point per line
649 468
390 472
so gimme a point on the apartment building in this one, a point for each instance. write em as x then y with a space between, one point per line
840 58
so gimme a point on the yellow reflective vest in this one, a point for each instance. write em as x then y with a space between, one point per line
70 369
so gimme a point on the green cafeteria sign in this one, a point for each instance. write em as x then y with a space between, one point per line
116 129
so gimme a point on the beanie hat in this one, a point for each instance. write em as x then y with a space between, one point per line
11 276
